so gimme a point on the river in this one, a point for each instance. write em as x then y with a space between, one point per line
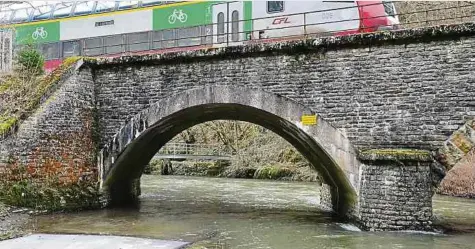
219 213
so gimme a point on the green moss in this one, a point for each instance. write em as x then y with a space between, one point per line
4 87
51 196
272 172
6 124
396 154
462 142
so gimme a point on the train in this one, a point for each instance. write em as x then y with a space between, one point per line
115 28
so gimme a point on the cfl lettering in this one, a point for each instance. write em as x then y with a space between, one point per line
280 20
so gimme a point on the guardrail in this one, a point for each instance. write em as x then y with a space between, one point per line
193 149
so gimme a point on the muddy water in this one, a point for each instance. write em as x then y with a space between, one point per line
234 213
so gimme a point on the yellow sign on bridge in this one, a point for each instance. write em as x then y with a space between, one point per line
309 119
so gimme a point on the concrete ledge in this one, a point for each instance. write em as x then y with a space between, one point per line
396 155
57 241
313 45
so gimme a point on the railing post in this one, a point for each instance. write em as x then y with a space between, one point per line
305 25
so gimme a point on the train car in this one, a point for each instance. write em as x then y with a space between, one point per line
113 28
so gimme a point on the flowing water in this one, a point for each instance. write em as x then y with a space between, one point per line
220 213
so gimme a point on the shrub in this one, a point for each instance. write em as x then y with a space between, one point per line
31 60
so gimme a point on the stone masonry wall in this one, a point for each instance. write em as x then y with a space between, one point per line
408 89
50 161
395 196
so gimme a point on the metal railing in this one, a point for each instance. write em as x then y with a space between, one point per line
6 51
193 149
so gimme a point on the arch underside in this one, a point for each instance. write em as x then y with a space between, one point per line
166 119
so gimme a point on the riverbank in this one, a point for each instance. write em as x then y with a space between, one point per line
225 169
460 180
14 222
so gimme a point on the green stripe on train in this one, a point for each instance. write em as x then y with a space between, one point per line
37 33
247 16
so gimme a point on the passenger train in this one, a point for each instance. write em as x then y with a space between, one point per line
112 28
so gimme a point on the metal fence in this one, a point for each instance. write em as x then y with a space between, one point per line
6 51
193 149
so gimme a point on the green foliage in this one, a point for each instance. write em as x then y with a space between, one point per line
22 91
252 147
31 60
6 123
273 172
154 167
49 196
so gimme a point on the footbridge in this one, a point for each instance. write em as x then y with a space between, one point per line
187 151
380 116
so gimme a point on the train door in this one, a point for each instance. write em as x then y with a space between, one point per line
228 24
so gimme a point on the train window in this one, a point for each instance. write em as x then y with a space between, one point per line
168 38
138 41
71 48
189 36
235 26
83 8
128 4
389 8
50 50
275 6
104 6
114 44
63 9
5 16
150 3
42 12
157 40
220 28
21 15
93 46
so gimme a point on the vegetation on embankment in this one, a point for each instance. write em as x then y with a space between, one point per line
13 222
256 153
460 180
21 91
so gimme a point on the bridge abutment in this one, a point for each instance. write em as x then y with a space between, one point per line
124 192
395 190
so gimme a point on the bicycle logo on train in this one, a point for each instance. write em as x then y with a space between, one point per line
39 32
177 15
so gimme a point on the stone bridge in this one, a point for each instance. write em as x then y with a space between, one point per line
394 111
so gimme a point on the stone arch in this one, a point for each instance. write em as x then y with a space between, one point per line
325 147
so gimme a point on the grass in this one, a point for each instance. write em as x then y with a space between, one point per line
21 93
